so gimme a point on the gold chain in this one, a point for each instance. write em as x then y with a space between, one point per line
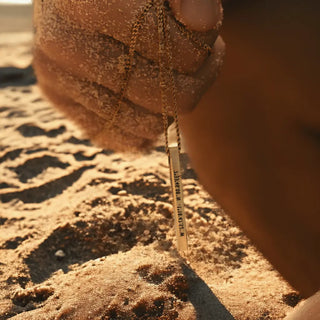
191 36
128 63
163 63
166 72
168 92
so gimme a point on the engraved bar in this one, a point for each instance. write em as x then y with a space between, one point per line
177 192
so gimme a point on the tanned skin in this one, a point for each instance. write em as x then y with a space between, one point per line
254 139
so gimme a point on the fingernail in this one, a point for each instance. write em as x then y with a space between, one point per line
200 15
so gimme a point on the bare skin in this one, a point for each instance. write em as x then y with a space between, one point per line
308 310
91 48
199 15
254 138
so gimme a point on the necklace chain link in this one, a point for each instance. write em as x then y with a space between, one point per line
166 71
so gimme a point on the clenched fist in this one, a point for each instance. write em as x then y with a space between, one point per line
80 54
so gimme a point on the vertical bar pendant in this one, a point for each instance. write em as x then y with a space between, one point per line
177 192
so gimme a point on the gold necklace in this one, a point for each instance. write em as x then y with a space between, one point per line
167 89
173 150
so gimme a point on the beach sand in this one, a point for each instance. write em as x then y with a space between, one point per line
86 233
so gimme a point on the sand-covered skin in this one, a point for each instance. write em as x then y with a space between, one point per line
115 18
111 216
154 80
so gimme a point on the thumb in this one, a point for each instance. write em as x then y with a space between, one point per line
198 15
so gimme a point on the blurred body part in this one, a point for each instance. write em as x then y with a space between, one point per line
254 138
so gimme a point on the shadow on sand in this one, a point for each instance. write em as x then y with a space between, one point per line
16 77
206 304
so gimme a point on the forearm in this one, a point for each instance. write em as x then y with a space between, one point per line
233 155
248 142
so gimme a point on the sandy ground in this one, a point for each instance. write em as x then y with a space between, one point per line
88 234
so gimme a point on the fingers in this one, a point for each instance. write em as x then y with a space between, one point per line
198 15
97 58
98 99
114 138
80 55
116 18
209 71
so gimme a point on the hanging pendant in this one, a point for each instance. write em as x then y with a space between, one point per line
177 194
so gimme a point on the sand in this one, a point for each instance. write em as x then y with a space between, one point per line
87 233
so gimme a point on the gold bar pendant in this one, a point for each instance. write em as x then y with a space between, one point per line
177 193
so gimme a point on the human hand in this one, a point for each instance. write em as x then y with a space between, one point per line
80 57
